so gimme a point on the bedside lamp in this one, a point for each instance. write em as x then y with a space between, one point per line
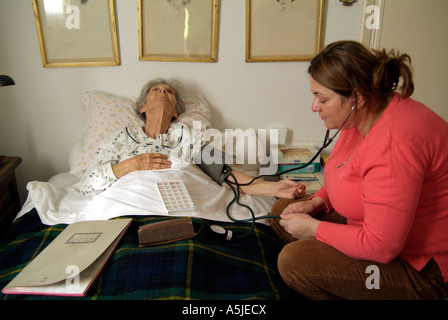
5 81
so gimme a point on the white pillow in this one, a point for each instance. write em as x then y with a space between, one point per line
197 108
107 113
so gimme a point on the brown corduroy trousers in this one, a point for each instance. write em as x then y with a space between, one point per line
318 271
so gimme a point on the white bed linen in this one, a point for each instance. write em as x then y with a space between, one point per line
59 201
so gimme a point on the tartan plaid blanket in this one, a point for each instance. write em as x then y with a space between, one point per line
202 268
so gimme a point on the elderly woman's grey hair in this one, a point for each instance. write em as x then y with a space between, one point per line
174 84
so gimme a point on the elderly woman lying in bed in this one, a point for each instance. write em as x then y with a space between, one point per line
148 147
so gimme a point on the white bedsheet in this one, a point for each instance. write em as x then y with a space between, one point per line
59 201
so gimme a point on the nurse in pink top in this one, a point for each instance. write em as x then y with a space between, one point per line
378 228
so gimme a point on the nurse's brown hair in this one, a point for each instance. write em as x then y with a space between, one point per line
346 66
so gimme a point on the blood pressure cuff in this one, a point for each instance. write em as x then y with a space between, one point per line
166 232
217 169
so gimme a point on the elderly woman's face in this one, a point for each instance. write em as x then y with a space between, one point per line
161 95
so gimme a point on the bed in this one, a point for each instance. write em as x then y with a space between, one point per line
204 267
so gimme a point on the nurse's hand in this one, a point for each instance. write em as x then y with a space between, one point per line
299 225
309 207
297 218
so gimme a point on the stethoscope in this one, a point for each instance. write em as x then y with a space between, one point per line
228 234
327 141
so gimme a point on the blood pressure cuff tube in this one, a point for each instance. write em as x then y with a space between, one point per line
217 169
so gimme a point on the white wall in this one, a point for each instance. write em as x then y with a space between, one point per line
41 117
400 31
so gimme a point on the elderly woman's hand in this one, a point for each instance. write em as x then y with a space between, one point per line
288 189
146 161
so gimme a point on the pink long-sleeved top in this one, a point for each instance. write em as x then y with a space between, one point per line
393 189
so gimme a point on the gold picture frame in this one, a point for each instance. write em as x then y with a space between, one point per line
284 30
77 33
178 30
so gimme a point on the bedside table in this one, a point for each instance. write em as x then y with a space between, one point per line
9 196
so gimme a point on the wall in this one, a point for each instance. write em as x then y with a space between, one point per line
41 117
399 30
